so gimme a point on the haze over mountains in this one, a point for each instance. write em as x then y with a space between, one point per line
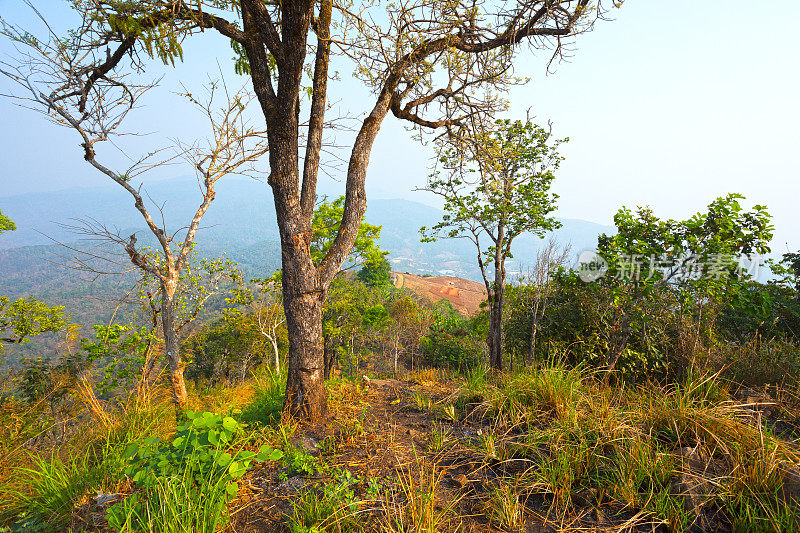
240 224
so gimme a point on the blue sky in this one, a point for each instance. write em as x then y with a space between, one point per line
671 104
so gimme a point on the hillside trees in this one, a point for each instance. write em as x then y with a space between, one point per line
432 65
225 350
326 222
71 80
513 164
700 259
376 271
25 317
529 299
6 224
268 313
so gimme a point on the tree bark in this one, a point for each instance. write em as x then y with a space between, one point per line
172 345
329 356
618 346
305 386
495 326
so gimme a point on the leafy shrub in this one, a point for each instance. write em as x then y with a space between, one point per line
583 322
299 462
332 507
451 343
187 482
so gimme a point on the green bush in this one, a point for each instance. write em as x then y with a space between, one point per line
332 507
187 482
442 349
452 341
265 407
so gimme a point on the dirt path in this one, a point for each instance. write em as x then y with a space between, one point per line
377 431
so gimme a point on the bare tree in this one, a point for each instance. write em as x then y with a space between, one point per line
268 313
540 277
431 64
69 81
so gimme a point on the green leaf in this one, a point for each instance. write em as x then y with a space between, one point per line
229 424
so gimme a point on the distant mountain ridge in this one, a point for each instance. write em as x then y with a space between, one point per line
241 224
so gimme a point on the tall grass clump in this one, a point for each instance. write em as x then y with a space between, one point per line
265 407
43 484
524 397
333 507
415 507
53 487
504 509
755 495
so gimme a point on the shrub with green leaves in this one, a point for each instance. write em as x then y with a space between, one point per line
187 482
451 342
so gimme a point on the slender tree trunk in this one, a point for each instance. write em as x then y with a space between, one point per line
495 327
329 356
172 346
275 354
150 358
534 324
496 313
396 342
245 364
618 346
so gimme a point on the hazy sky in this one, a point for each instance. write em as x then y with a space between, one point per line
671 104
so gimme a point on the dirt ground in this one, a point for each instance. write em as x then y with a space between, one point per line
393 441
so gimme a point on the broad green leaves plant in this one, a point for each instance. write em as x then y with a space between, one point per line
201 464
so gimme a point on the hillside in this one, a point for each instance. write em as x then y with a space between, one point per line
464 295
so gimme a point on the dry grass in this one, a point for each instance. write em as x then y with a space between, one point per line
552 448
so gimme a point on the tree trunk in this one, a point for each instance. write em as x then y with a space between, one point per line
276 355
304 283
245 363
618 346
495 329
496 313
172 346
329 356
396 342
305 386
